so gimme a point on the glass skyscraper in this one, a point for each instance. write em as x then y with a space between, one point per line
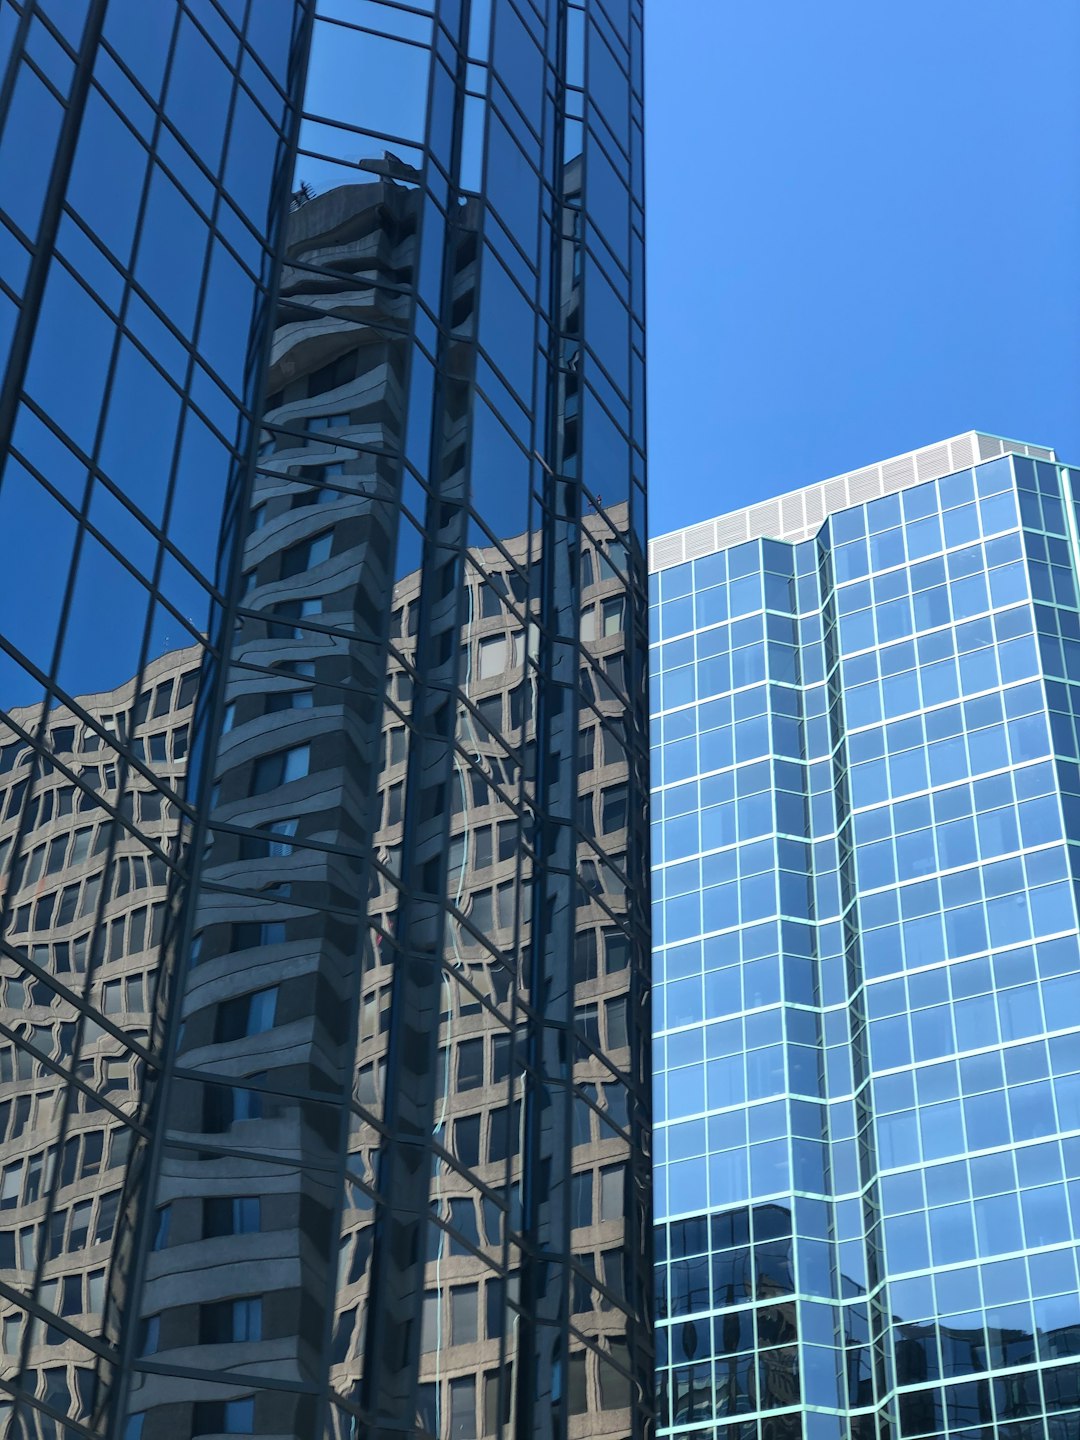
324 1004
866 761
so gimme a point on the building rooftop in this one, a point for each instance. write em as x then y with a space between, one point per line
800 513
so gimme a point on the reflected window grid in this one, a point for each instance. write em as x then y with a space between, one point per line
391 755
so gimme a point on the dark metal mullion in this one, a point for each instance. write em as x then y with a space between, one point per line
98 474
174 880
33 292
93 964
259 1380
70 1078
388 1281
14 379
112 1412
29 1404
18 49
52 211
58 188
85 524
255 1082
70 997
528 1365
133 764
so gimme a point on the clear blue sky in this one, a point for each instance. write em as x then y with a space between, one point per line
864 236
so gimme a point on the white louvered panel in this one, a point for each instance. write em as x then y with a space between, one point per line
791 514
763 520
667 551
700 540
932 462
731 530
864 485
1038 452
834 494
815 507
896 474
989 446
961 452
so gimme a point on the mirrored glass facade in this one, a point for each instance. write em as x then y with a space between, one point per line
867 966
325 1028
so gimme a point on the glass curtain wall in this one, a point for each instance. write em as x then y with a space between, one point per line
868 972
324 1050
141 178
399 1174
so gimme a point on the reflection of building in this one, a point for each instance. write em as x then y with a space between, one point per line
137 267
867 963
305 931
87 897
380 460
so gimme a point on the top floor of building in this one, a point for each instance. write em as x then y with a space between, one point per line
799 514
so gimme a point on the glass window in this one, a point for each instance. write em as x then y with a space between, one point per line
227 1321
162 1219
614 801
197 100
140 432
616 951
470 1072
507 323
306 555
463 1408
231 1215
169 263
430 1336
30 135
615 1010
577 1384
612 1192
80 1224
467 1140
494 657
149 1334
586 746
223 1417
581 1200
270 771
481 911
246 1015
68 900
395 100
150 802
463 1314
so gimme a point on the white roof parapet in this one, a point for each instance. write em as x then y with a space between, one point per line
800 513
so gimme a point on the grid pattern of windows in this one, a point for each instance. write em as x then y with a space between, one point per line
322 411
140 148
408 935
868 971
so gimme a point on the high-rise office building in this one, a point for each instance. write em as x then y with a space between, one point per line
866 760
324 387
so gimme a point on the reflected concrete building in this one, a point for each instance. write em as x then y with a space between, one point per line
87 905
388 1166
292 1072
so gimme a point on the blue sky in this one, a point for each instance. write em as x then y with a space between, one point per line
864 236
